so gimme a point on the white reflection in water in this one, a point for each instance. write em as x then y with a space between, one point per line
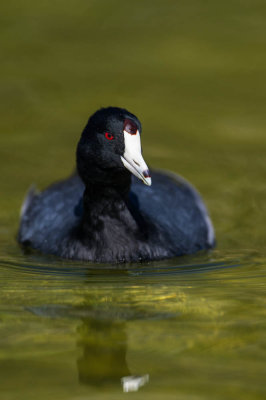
133 383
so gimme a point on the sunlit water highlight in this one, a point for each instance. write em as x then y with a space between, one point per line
79 329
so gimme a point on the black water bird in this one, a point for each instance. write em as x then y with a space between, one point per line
104 213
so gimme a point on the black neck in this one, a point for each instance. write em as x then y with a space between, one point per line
100 200
100 192
111 224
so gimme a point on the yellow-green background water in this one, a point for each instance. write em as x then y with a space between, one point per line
194 72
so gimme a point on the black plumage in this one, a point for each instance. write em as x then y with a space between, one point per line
105 214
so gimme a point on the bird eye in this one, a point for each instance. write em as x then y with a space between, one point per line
109 136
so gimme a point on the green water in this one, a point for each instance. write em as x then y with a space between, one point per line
194 72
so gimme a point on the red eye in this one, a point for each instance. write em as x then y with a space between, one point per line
109 136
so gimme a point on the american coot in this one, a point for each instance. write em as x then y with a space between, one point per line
106 214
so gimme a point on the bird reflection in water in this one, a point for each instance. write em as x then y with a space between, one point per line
103 362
